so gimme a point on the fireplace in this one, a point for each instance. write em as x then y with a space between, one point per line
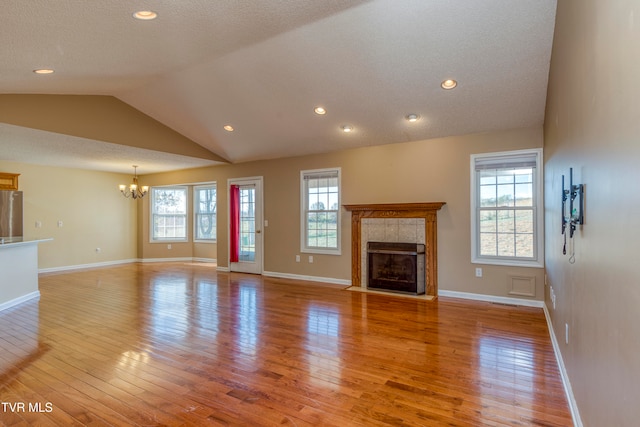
423 212
396 267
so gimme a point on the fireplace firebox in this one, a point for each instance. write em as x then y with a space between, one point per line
396 267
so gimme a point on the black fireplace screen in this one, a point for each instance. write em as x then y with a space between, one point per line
396 267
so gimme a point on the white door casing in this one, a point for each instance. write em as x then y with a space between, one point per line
250 259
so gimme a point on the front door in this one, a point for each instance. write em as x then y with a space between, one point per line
245 225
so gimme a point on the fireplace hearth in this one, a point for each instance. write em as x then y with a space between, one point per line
396 267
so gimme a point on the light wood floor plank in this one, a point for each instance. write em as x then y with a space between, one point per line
180 344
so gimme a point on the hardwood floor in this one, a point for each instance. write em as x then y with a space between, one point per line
180 344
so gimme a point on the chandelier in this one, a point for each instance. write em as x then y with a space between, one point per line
134 191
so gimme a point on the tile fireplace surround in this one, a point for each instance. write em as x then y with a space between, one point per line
395 222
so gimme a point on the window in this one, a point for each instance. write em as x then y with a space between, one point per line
320 222
168 214
204 208
506 208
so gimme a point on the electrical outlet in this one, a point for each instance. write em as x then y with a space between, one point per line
478 272
297 258
310 259
38 224
60 224
169 246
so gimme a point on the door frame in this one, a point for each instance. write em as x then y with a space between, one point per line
258 181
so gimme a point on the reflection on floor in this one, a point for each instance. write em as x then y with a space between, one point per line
182 344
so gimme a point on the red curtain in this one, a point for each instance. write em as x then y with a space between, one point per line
234 211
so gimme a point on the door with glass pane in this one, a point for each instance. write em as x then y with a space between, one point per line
245 225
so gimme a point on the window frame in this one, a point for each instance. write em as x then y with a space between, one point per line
152 214
304 248
196 211
537 261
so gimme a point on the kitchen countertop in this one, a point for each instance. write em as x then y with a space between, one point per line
9 242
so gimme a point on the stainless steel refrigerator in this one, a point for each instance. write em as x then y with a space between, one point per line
11 215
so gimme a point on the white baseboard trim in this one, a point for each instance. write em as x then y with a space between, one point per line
123 261
573 405
491 298
222 269
331 280
85 266
207 260
177 259
31 295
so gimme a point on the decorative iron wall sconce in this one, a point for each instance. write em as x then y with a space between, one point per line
575 214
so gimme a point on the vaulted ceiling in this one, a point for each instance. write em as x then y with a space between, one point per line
262 66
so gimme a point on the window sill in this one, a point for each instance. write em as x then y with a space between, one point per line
321 251
508 263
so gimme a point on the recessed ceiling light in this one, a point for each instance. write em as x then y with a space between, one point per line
43 71
412 117
320 110
449 84
347 128
228 128
145 15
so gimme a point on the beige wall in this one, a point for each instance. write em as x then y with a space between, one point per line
425 171
93 213
593 125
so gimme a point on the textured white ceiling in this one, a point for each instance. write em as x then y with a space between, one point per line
263 65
